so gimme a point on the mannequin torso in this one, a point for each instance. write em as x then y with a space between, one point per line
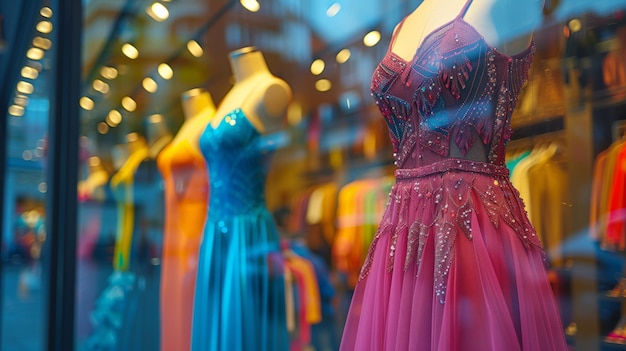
261 96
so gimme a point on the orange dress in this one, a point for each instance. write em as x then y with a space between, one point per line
186 201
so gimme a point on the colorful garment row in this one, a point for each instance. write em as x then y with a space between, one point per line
607 221
309 293
359 211
540 175
314 212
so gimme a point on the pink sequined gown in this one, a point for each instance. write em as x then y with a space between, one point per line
455 264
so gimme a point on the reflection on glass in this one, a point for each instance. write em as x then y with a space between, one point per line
86 103
24 296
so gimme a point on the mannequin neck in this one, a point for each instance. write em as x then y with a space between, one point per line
95 165
136 143
247 63
195 101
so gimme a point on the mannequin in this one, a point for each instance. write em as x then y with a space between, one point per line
455 263
186 200
90 189
239 300
92 186
122 185
158 134
261 96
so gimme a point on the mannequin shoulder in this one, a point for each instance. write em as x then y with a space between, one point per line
276 97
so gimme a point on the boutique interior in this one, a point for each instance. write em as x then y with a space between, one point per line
154 74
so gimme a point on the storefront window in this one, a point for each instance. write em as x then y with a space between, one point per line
25 203
238 184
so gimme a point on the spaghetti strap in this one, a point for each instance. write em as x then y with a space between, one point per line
464 10
394 35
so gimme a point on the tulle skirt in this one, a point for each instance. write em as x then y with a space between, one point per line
239 301
454 266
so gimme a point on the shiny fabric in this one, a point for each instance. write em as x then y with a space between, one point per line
239 302
455 263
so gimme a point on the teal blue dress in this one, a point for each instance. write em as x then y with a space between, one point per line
239 301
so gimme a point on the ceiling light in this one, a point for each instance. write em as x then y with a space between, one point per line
25 88
100 86
42 43
251 5
103 128
323 85
130 51
46 12
372 38
86 103
21 100
29 72
165 71
114 118
158 12
156 118
317 67
343 56
150 85
194 48
44 27
333 10
16 110
27 155
575 25
35 54
36 65
129 104
108 72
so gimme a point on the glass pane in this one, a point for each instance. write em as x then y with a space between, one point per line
24 294
165 190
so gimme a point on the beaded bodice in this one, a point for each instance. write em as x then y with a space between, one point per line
237 163
456 90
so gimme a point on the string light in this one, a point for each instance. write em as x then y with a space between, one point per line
129 104
29 72
194 48
150 85
130 51
86 103
103 128
44 27
158 12
109 72
318 66
35 54
165 71
343 56
251 5
46 12
323 85
16 110
333 10
25 88
372 38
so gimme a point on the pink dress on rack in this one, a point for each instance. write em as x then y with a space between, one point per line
455 263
